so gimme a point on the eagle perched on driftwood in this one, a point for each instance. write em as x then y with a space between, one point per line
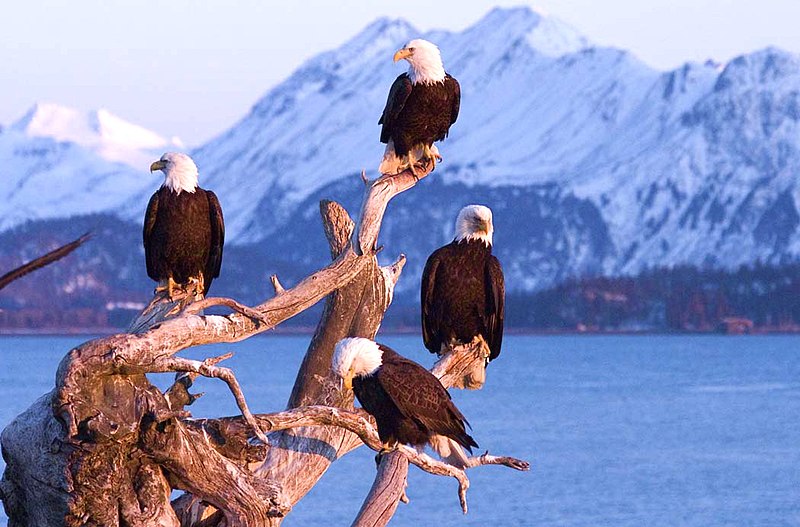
463 291
409 404
183 228
422 105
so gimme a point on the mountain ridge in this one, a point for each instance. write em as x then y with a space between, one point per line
593 162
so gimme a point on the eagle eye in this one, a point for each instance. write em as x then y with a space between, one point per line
411 49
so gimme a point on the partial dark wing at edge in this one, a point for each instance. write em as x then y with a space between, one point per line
455 89
430 319
398 95
147 231
217 235
495 306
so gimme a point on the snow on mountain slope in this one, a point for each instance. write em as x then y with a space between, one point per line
597 162
58 162
100 131
693 165
321 124
714 182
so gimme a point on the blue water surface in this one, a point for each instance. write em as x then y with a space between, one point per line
620 430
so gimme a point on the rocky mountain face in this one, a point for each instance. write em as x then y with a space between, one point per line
593 162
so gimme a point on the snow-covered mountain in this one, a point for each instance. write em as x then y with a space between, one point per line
592 161
57 162
693 165
100 131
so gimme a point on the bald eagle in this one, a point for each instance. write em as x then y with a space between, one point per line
422 105
409 404
183 228
463 292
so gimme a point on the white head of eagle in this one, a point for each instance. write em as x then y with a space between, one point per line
474 222
180 172
425 61
356 357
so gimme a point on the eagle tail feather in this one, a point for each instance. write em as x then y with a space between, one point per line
450 451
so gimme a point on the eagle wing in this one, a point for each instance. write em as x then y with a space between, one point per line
398 95
217 235
454 88
421 397
495 305
430 319
147 232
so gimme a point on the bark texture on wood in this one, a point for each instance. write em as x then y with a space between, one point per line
387 491
101 403
463 366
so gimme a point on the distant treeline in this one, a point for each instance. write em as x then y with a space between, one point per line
754 298
685 298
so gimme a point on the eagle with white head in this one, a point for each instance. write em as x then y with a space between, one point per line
423 103
184 231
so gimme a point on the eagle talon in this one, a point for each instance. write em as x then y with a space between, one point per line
169 287
384 451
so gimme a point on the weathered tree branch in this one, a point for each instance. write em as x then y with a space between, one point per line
105 447
362 424
298 457
379 192
42 261
463 366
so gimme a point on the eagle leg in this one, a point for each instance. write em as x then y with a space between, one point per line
435 152
431 153
167 285
198 284
412 161
385 449
171 287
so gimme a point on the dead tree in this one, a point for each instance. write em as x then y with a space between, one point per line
105 447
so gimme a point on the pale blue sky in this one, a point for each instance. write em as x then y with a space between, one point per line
192 68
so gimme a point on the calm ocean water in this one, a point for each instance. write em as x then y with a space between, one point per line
620 430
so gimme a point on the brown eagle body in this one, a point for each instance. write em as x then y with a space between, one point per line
409 404
184 235
463 295
419 114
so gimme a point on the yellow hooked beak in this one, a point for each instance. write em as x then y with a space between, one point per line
158 165
348 380
402 54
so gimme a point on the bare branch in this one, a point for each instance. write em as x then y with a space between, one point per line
207 368
463 366
506 461
42 261
196 307
392 472
276 284
374 204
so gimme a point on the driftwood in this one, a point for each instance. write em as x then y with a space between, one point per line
41 261
105 447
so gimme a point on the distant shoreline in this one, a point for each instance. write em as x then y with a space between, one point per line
308 331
